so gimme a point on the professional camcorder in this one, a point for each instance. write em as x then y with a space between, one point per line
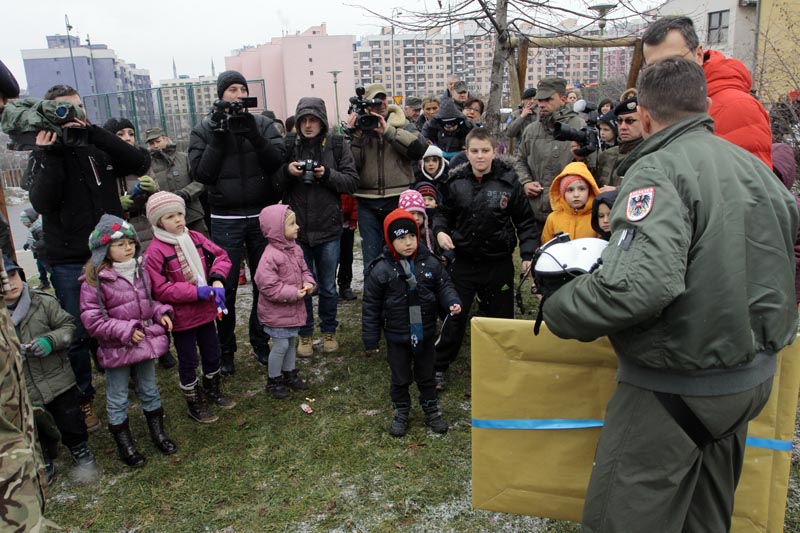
588 137
235 117
24 118
308 167
360 106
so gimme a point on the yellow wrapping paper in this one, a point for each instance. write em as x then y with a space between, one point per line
545 472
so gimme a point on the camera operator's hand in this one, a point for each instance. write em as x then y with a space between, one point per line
321 173
533 189
148 184
381 129
575 148
295 168
445 241
45 138
216 119
249 121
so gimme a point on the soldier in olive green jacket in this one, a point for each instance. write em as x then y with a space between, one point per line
696 293
170 168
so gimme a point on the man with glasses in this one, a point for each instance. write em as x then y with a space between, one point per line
383 159
629 127
738 117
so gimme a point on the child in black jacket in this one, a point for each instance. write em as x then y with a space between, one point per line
401 293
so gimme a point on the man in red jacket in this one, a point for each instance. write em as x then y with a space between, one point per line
738 117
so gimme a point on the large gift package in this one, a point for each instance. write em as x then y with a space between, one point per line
537 409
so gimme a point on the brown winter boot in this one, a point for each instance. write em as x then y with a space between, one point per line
197 405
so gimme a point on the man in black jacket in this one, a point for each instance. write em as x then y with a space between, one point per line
236 168
314 195
484 212
73 186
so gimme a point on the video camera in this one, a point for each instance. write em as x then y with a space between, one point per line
588 137
234 118
360 106
24 118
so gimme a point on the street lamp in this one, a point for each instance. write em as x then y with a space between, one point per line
71 57
602 10
336 97
395 12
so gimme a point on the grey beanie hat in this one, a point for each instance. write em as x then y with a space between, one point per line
110 228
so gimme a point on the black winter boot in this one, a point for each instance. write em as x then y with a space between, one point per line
155 423
293 381
213 390
125 445
197 405
167 360
399 425
277 387
433 416
227 367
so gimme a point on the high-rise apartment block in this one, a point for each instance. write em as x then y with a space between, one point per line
93 69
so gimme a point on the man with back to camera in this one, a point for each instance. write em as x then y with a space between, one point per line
738 117
20 465
236 167
383 159
73 186
696 296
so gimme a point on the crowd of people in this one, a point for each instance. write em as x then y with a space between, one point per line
143 244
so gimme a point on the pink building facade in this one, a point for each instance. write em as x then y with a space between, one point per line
300 65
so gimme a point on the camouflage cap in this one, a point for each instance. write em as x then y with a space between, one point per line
547 87
413 102
460 87
151 134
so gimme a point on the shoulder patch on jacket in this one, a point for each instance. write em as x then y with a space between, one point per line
640 203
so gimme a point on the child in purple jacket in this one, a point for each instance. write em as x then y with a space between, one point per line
188 272
283 280
130 328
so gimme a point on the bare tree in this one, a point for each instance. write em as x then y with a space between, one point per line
510 22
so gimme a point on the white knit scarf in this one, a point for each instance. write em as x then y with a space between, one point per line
127 269
184 241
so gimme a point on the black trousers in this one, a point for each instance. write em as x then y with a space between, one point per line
407 367
345 275
493 282
66 412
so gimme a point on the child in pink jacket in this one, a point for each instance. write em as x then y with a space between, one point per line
188 272
130 328
283 280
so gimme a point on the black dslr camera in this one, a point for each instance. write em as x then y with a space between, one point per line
234 118
360 106
588 137
308 167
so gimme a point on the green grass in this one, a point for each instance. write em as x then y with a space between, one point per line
268 466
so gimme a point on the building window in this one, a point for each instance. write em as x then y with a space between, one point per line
718 27
312 85
310 60
309 46
310 72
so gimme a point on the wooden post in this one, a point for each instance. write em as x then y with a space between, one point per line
636 64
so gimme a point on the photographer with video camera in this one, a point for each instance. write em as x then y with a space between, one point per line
319 168
384 145
540 155
235 153
74 184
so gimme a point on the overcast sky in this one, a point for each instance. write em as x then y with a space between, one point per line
150 33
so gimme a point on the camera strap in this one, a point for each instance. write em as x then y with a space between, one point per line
93 164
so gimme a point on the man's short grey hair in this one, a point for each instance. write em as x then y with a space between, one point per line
59 90
658 30
672 89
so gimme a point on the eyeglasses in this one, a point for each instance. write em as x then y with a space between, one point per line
476 109
629 121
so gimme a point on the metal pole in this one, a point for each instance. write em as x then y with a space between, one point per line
94 72
452 51
393 72
602 10
336 98
71 57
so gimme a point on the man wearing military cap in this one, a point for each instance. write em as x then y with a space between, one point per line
170 168
540 157
629 126
412 109
523 117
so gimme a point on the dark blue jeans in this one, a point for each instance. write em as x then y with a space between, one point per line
68 291
237 237
322 260
371 213
44 270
